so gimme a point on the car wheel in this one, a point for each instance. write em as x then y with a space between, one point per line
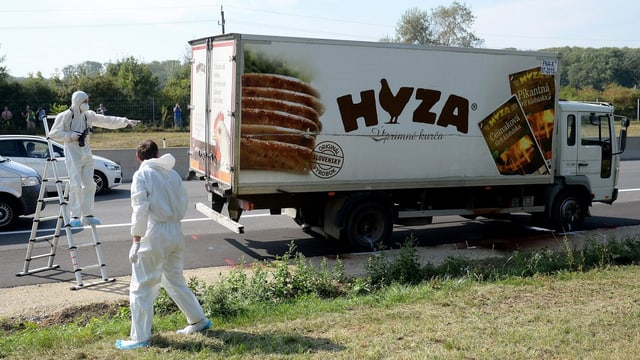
101 182
8 212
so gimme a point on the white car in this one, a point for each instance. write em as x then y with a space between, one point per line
107 174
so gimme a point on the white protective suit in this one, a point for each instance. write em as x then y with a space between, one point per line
159 202
66 128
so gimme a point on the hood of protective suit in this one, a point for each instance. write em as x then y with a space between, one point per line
166 161
78 98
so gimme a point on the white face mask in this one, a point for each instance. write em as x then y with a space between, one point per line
84 107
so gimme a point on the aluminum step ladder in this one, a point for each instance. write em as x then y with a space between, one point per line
62 222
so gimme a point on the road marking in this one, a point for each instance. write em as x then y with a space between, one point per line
628 190
118 225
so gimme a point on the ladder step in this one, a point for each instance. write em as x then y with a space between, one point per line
94 266
60 180
47 218
94 283
51 199
43 238
35 257
46 268
79 246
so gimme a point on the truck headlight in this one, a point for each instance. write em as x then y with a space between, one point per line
30 181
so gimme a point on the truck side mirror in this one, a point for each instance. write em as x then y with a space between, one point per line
623 139
624 122
594 119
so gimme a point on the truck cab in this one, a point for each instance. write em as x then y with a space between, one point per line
587 148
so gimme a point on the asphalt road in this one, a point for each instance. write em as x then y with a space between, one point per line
265 237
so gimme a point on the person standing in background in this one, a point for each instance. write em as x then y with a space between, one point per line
177 118
7 117
29 118
40 113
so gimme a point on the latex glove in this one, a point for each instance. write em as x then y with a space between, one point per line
132 122
74 136
133 253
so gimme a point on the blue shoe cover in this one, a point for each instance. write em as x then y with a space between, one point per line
131 344
90 220
75 222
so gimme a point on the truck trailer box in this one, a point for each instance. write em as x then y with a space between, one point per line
289 114
275 120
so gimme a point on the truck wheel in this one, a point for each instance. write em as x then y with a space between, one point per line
369 225
8 212
569 211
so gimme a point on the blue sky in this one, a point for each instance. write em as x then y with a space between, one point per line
47 35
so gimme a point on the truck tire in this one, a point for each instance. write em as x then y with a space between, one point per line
568 212
8 212
369 224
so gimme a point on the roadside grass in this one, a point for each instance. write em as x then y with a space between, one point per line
129 138
545 304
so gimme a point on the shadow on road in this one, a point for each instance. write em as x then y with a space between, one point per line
517 233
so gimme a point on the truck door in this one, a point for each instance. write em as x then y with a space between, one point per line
212 105
568 145
594 145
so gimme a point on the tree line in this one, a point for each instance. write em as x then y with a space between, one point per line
144 91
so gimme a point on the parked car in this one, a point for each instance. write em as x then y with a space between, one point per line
19 190
33 151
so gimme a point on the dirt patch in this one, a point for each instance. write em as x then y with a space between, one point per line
81 315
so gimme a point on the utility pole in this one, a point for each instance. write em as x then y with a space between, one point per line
221 23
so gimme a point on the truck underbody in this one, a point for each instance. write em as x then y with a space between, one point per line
366 218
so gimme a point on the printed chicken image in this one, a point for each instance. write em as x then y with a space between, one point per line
280 122
222 143
393 104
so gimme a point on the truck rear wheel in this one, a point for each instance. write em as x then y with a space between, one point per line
568 212
369 224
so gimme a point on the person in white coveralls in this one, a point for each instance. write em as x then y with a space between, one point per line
73 127
159 202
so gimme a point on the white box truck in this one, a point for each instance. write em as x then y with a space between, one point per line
355 137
